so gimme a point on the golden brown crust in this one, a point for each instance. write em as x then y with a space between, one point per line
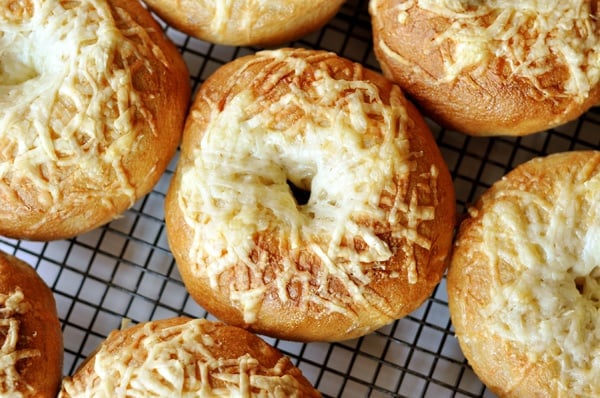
244 23
506 359
212 342
65 196
488 97
39 344
391 293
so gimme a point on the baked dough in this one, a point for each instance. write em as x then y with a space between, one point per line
370 243
500 67
31 353
246 22
524 281
92 104
186 357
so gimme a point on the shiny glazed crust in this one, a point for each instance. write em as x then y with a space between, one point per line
306 283
500 88
90 125
244 23
523 280
38 349
227 361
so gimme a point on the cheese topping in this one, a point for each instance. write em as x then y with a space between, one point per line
246 15
222 13
533 37
545 256
335 138
11 305
67 102
181 361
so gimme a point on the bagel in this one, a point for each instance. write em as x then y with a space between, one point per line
186 357
92 105
31 353
366 247
499 67
246 23
524 280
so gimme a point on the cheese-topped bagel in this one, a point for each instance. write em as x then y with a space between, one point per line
492 67
524 281
92 104
31 345
182 357
246 22
369 244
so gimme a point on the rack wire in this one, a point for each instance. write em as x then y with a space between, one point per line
125 269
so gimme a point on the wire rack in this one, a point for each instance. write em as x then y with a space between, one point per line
125 269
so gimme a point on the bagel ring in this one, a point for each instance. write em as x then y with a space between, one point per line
30 333
186 357
366 247
246 23
92 104
499 67
524 280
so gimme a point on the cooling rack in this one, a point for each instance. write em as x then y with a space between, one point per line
124 270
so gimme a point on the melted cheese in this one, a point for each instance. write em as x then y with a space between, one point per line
241 17
222 13
181 361
533 37
347 148
11 305
66 96
551 302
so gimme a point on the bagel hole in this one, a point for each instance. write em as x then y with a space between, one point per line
301 195
593 278
580 284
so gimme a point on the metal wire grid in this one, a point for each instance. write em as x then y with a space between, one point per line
125 270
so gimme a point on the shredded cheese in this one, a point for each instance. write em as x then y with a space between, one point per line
67 100
550 307
247 15
347 147
180 361
11 383
533 37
